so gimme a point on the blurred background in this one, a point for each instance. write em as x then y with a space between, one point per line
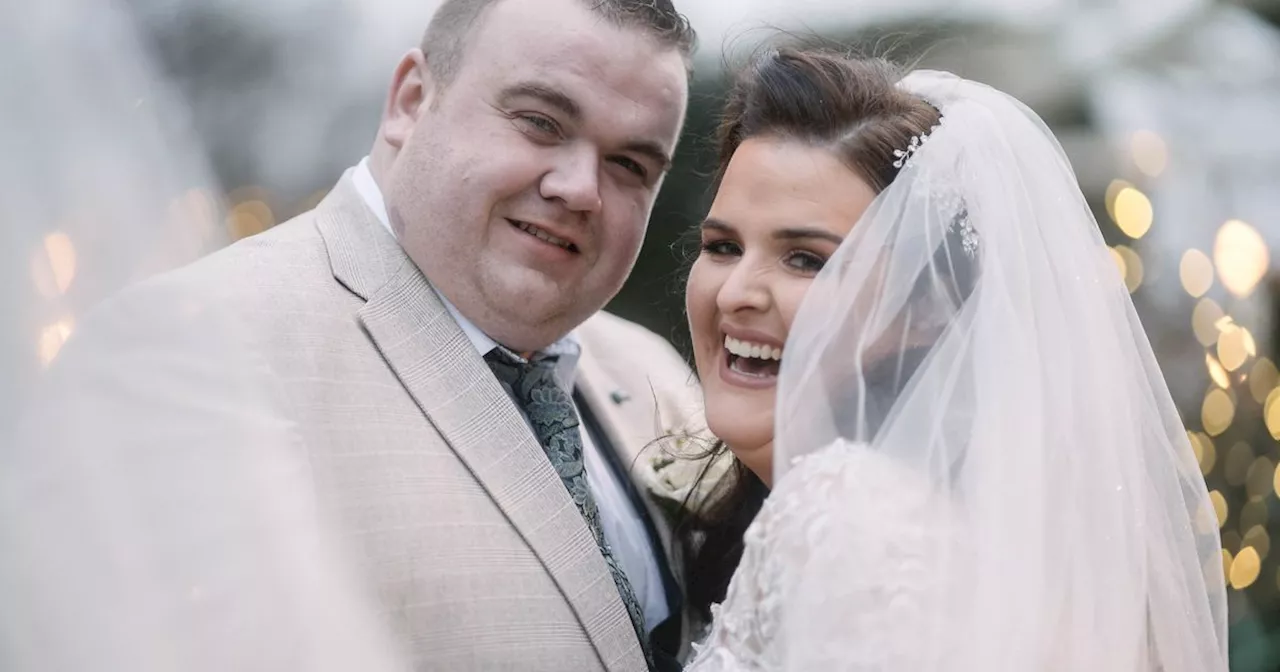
137 135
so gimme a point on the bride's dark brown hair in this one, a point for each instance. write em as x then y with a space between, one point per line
853 108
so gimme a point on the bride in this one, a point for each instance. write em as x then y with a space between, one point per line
908 326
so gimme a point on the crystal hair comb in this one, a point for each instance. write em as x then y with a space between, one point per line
904 155
968 234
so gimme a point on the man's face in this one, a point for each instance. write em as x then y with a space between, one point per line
524 187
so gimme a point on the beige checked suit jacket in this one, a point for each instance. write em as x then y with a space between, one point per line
436 490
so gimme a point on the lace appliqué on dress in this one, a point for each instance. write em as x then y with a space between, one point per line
835 572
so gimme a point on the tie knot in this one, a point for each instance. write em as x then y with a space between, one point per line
517 372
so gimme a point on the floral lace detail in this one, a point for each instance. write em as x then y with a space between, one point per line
838 572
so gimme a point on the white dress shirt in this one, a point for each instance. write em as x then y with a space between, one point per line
623 527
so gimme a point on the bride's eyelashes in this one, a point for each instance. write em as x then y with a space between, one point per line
805 261
721 248
800 260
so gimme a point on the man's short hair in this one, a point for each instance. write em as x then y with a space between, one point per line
446 38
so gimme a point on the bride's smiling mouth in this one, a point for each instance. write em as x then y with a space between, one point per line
750 361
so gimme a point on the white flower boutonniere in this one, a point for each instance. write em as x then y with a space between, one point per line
671 472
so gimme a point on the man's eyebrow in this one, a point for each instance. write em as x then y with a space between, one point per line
546 94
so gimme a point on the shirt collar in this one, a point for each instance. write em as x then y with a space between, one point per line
568 349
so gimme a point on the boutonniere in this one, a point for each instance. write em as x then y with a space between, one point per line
672 467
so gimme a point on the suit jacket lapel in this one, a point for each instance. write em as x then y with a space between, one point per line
593 384
454 387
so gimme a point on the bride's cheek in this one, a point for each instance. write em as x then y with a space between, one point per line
790 299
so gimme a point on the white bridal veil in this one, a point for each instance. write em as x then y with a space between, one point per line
974 329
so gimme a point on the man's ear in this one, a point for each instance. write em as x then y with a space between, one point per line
413 91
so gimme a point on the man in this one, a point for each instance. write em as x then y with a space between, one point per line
409 346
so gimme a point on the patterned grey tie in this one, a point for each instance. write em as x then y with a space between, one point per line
554 419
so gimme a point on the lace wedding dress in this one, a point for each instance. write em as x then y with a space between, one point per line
872 596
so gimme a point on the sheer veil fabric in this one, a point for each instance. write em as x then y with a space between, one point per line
989 471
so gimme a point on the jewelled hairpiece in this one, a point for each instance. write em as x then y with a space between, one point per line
968 234
904 155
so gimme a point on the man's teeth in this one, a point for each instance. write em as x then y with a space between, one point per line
752 350
535 231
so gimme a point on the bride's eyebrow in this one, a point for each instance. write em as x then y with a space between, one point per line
718 225
807 232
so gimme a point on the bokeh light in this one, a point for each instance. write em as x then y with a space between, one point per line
1234 346
1219 507
1206 453
1254 514
1131 266
53 265
1196 272
1204 321
1113 190
1236 467
1258 539
1132 212
1241 257
1217 412
1259 478
1262 379
249 218
1245 568
1217 373
1150 153
51 339
1271 413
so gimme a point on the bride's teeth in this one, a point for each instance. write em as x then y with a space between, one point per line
751 350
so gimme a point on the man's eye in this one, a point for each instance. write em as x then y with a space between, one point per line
632 166
540 124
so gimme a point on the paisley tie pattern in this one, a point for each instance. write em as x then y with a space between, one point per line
551 414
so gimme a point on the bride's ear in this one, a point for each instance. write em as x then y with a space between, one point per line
413 91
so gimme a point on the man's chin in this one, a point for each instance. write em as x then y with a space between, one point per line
511 325
526 311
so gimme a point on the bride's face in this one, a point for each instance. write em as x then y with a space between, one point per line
782 210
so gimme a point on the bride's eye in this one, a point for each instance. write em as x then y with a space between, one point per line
721 248
805 262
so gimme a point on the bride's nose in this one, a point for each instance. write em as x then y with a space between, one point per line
746 288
